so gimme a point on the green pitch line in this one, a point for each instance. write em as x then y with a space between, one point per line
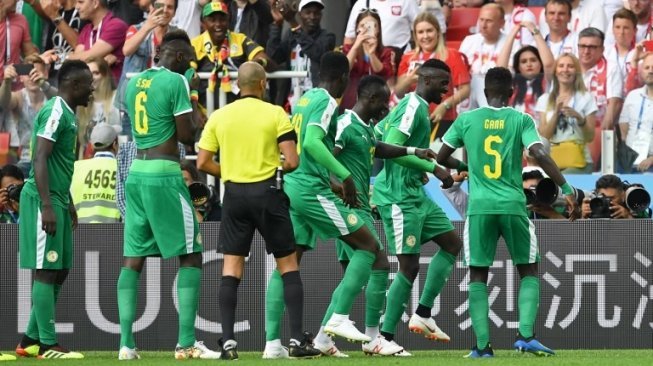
449 358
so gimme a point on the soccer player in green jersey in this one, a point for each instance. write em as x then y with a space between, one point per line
410 217
47 214
159 219
495 137
355 148
316 211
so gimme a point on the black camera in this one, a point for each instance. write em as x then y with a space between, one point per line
13 192
548 193
200 194
637 199
600 207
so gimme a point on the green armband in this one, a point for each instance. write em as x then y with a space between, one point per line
567 189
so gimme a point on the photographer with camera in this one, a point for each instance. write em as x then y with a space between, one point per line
205 198
11 183
536 209
616 199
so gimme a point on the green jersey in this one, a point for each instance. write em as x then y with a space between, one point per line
154 98
56 122
496 138
357 141
315 107
396 183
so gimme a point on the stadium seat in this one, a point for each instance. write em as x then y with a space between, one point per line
461 23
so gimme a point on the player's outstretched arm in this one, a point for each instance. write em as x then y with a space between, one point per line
551 169
445 159
314 146
389 151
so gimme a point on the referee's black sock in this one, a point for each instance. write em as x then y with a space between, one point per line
228 298
293 294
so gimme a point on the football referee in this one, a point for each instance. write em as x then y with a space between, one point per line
250 135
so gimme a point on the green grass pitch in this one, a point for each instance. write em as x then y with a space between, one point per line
448 358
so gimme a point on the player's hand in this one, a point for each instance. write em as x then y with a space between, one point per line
425 179
444 177
619 212
572 207
460 176
48 220
349 192
426 154
337 189
585 210
73 214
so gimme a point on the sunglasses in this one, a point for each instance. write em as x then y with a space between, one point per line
369 10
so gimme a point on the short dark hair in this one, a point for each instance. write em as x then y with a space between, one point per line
175 35
176 3
69 68
592 32
609 181
533 174
435 64
498 80
369 84
624 13
13 171
333 65
561 2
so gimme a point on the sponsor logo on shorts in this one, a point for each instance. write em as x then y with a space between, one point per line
52 256
352 219
410 240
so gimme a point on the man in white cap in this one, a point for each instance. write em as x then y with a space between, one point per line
93 186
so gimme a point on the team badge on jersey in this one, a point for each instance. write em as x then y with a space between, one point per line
52 256
410 240
352 219
396 10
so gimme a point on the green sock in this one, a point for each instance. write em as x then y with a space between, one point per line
479 309
437 276
529 302
44 309
397 298
274 307
32 330
127 301
188 293
375 296
332 304
356 276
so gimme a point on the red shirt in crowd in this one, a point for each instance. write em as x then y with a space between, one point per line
111 30
18 34
362 68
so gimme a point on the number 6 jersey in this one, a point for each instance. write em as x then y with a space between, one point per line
495 139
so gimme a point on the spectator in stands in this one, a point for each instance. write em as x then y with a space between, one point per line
93 188
141 42
252 18
515 13
188 16
604 82
219 51
568 116
20 42
101 111
482 50
22 105
533 68
429 43
301 47
624 26
367 56
636 120
62 30
558 37
584 14
10 175
612 187
642 10
209 211
538 210
102 37
397 17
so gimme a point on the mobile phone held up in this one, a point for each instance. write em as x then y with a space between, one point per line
23 69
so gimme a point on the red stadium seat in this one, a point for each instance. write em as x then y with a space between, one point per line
461 22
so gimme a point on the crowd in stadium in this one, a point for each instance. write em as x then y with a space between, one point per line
579 68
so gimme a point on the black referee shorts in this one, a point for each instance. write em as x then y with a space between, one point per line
250 206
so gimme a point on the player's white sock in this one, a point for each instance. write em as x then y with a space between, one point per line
321 337
339 317
372 332
273 343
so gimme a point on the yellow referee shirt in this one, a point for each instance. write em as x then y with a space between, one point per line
245 133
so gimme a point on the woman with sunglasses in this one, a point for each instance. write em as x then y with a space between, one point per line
429 43
367 55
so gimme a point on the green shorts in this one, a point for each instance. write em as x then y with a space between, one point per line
482 233
39 250
408 225
343 250
319 213
160 219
